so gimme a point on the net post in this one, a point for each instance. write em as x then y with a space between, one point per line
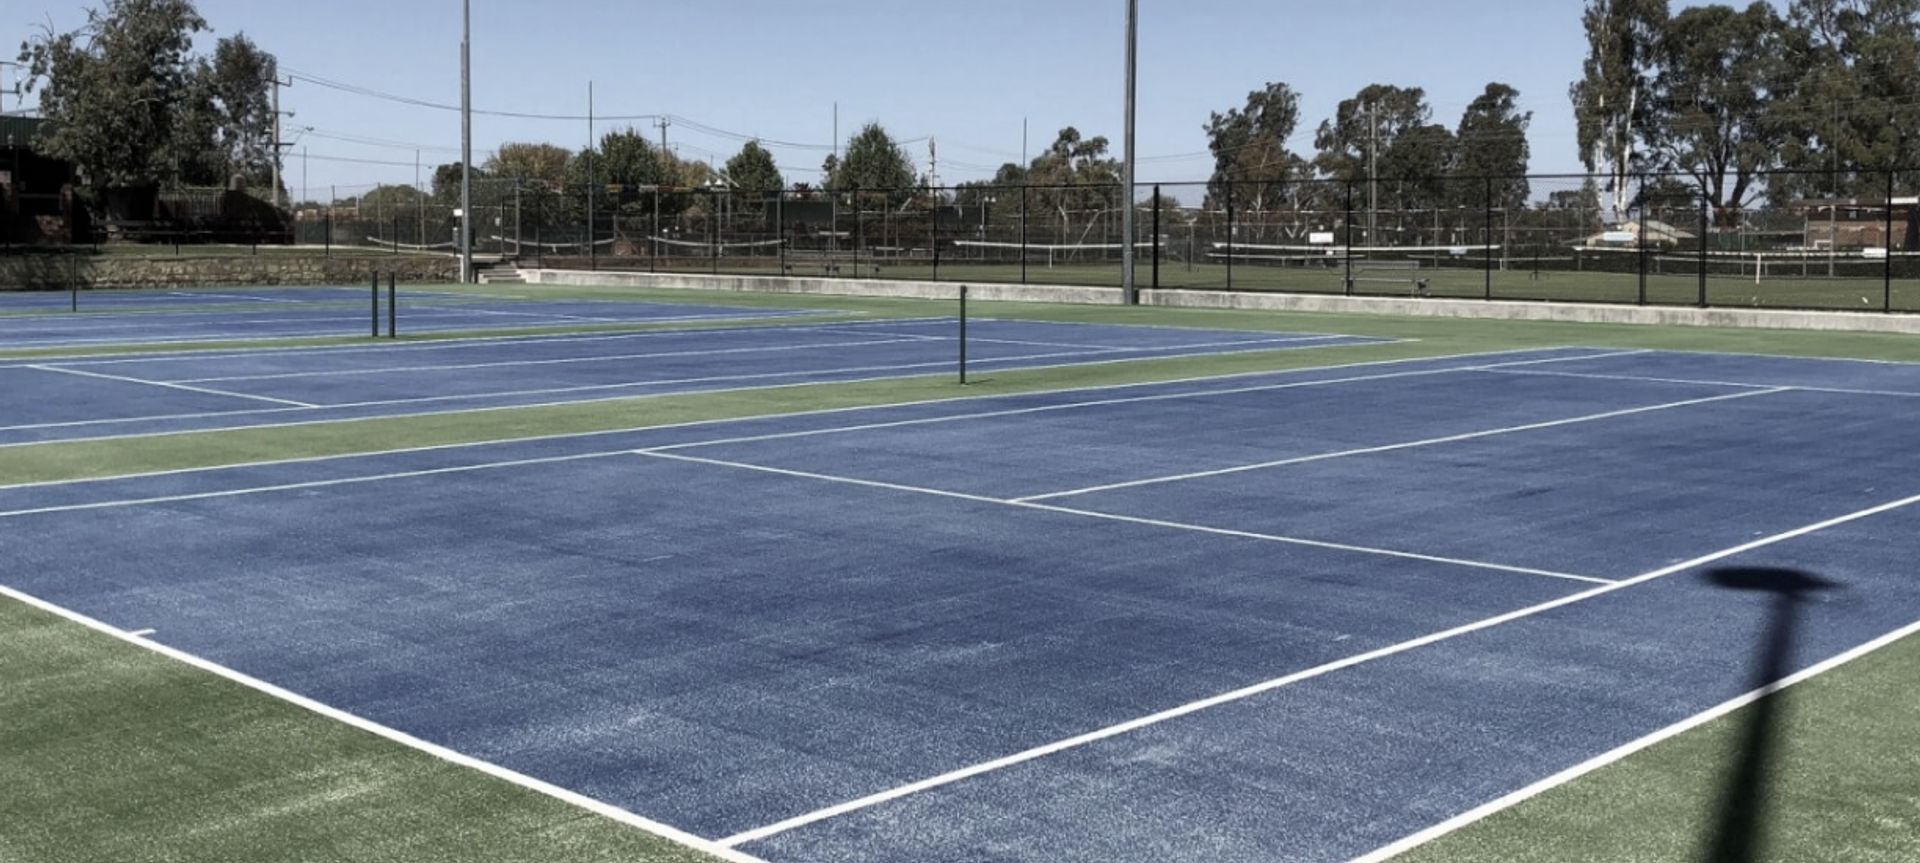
1886 285
1229 235
1706 229
73 280
963 335
376 304
393 306
1156 237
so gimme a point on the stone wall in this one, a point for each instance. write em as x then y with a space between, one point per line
276 267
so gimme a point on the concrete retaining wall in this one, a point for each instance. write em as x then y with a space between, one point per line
58 272
1588 313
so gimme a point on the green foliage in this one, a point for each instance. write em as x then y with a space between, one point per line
113 89
1249 147
1613 102
753 171
1852 108
240 79
131 105
531 164
873 161
1714 109
1492 142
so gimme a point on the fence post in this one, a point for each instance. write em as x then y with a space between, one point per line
1229 235
1886 296
933 234
1348 278
593 250
1706 230
859 230
713 231
1487 232
653 236
1023 231
780 226
1156 237
328 240
1641 185
396 235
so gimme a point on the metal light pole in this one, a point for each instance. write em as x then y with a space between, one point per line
1131 290
466 141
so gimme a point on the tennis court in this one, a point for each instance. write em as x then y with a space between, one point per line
50 319
1283 616
92 397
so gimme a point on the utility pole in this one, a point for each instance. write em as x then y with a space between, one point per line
593 251
419 198
1373 173
466 141
663 123
933 163
1131 290
278 145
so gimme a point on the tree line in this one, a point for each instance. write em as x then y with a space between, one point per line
1721 104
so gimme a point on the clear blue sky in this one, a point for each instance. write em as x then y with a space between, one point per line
963 71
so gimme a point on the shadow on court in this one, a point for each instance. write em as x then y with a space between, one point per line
1740 831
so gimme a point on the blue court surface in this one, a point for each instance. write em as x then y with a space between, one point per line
1291 616
43 320
77 398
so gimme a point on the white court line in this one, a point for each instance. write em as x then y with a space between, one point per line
144 633
170 386
1103 516
671 426
877 339
774 324
1189 709
1372 450
1591 765
1095 359
1276 340
1139 399
1845 391
602 809
305 486
455 310
55 344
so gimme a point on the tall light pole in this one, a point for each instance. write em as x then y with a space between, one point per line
466 141
1131 290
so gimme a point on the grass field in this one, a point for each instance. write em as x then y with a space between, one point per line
114 752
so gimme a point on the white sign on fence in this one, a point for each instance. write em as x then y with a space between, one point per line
1321 238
